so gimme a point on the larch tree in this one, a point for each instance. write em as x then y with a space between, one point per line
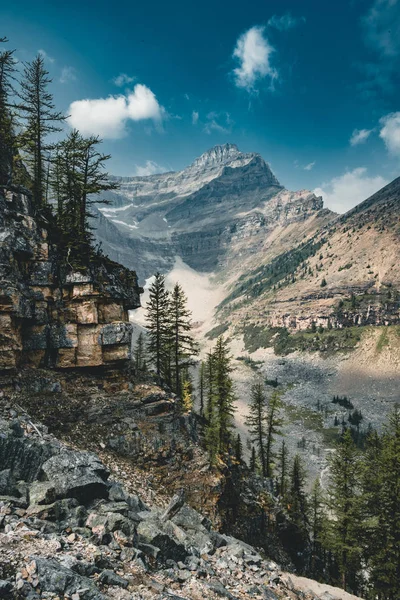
139 353
298 512
257 422
158 323
274 424
202 387
7 136
37 110
224 395
183 346
343 537
283 459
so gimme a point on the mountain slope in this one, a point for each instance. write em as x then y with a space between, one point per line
197 213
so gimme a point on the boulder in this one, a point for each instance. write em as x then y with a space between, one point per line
57 579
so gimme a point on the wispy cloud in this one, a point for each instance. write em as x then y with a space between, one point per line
149 168
390 132
46 56
310 166
359 136
67 74
349 189
285 22
107 117
123 79
195 117
253 53
218 121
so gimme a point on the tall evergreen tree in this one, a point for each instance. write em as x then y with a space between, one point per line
158 323
274 424
298 513
343 535
384 543
37 109
257 422
140 353
224 396
253 460
317 528
183 345
7 137
283 457
77 179
238 448
202 386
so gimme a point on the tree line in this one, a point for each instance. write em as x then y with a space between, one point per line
65 177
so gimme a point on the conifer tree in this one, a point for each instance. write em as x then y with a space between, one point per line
274 424
257 422
158 324
317 527
183 346
253 460
202 385
298 511
140 353
283 469
77 179
343 535
37 109
7 137
238 448
384 543
224 396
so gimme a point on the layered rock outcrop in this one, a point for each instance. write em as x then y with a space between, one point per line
51 314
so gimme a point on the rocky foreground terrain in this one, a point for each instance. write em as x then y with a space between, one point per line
70 528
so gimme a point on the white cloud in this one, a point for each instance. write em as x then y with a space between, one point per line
218 121
285 22
195 117
46 56
390 132
310 166
149 168
107 117
359 136
346 191
253 51
67 74
123 79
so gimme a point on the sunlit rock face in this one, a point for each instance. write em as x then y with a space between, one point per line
51 315
195 213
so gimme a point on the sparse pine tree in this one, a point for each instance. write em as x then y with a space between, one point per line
317 528
238 448
274 424
343 536
183 345
257 422
224 396
140 353
37 110
7 137
298 513
202 386
253 460
283 457
158 324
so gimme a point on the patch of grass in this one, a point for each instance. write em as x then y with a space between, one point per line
283 342
215 332
310 419
331 436
280 271
253 364
383 340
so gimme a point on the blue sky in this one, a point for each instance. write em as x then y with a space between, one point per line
311 85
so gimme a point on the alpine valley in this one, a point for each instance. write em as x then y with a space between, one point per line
306 297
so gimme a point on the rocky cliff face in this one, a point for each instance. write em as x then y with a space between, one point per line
196 213
50 314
